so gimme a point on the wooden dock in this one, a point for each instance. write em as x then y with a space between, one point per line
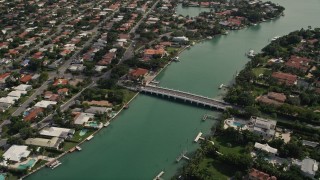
158 177
208 116
198 137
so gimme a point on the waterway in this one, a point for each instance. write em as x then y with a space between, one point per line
147 137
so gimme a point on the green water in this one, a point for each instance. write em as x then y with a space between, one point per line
148 137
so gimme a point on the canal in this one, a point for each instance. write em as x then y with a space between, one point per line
147 138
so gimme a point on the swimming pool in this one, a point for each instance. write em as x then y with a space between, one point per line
237 124
29 164
83 132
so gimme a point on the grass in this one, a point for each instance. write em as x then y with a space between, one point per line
38 164
225 149
217 169
11 177
68 145
128 95
172 49
258 71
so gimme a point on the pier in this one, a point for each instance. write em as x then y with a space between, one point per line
198 137
182 156
185 96
158 177
208 116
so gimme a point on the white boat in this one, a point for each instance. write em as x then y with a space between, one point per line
106 124
221 86
78 148
251 53
209 37
176 59
275 38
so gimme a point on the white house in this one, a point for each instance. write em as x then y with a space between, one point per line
308 166
266 148
23 87
57 132
83 118
17 93
15 153
45 104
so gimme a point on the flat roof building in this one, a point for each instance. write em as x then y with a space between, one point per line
57 132
15 153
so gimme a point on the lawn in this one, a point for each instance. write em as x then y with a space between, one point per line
258 71
172 49
38 164
225 149
217 169
68 145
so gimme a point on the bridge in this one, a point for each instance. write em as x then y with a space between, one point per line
185 96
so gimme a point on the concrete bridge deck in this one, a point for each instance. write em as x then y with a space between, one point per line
186 96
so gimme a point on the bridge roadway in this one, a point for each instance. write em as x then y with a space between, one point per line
185 96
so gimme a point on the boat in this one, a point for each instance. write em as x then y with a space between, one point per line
209 37
176 59
221 86
251 53
126 106
275 38
106 124
89 138
78 148
225 33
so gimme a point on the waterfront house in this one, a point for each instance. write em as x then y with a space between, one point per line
53 143
97 110
57 132
15 153
180 39
138 73
263 127
98 103
285 78
82 118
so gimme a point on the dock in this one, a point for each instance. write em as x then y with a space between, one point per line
198 137
154 82
208 116
53 164
158 177
106 124
182 156
89 138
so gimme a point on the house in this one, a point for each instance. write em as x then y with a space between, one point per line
23 87
285 78
299 63
63 91
4 76
15 153
272 98
82 118
263 127
107 58
57 132
33 114
308 166
45 104
180 39
137 73
150 53
4 107
53 143
255 174
9 100
266 148
310 143
97 110
60 82
17 93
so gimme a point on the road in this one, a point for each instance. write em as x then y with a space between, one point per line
129 53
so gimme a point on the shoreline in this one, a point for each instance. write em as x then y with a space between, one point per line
137 93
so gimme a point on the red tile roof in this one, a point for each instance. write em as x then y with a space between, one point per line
286 78
301 63
259 175
25 78
33 114
139 72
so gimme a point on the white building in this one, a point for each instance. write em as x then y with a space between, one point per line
8 100
45 104
57 132
83 118
17 94
180 39
266 148
23 87
308 166
15 153
53 143
263 127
